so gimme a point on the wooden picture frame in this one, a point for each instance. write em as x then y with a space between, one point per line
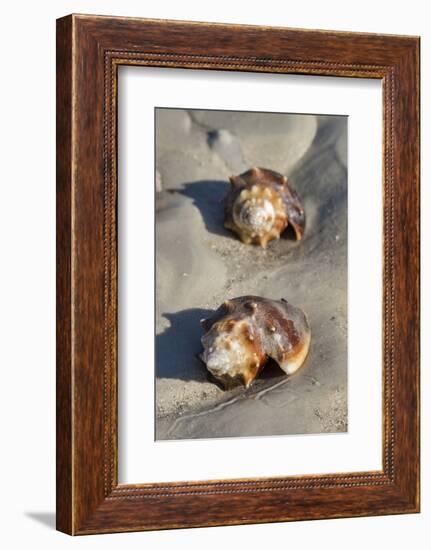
89 51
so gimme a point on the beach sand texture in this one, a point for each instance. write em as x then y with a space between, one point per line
199 264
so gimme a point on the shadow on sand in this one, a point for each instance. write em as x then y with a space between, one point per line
207 196
177 348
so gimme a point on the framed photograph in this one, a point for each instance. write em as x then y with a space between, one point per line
237 274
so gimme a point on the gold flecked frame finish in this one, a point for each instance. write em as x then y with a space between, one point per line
89 51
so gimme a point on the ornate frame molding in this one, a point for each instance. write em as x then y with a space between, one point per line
90 49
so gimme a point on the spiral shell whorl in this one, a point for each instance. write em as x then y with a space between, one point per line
260 205
254 212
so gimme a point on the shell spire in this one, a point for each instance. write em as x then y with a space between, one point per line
260 205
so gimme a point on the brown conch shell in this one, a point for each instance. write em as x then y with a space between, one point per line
260 205
245 332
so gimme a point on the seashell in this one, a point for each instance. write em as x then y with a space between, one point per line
245 332
260 205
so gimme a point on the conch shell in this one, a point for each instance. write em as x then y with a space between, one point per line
260 205
245 332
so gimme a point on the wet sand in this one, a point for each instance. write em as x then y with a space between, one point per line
199 264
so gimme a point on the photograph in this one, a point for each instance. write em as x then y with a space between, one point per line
251 273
